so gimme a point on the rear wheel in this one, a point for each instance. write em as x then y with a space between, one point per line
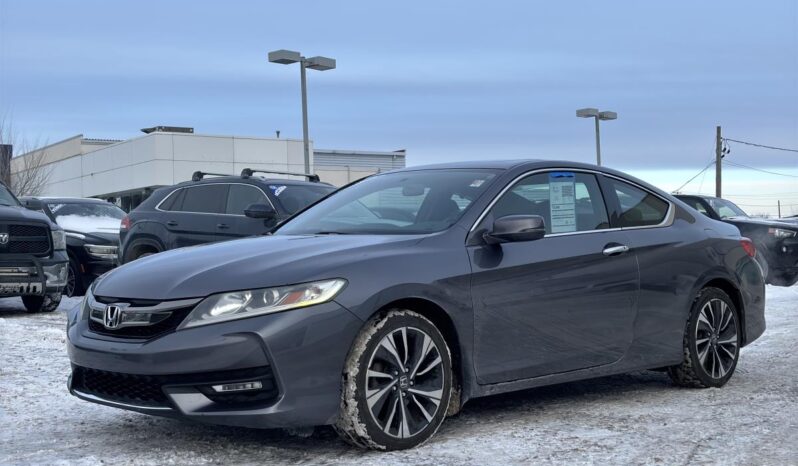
47 303
711 342
397 383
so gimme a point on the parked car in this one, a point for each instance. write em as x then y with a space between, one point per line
207 210
776 240
92 236
489 277
33 258
790 219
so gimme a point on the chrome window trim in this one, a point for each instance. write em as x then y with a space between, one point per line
158 207
670 215
95 398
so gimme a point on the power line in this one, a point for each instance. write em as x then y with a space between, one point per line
739 165
764 146
694 177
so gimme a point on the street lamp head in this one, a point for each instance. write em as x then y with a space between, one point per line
587 112
607 115
320 63
284 57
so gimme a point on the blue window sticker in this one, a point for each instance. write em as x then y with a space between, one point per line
277 189
562 201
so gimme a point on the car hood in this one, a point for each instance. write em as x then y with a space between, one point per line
761 221
99 238
12 213
243 264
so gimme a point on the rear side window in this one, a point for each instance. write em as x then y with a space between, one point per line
206 199
294 198
567 201
242 196
638 207
173 201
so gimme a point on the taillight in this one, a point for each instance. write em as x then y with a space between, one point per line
125 225
749 247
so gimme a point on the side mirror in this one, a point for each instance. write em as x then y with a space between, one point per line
33 204
513 228
264 211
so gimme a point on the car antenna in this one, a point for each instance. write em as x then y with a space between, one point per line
248 172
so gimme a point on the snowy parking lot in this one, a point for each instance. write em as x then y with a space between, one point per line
638 418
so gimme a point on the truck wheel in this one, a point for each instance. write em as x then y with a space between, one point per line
48 303
74 286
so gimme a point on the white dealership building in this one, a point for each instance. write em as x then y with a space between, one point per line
126 171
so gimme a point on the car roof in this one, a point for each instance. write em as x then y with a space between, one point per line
68 200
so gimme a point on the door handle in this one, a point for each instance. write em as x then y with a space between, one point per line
615 250
222 226
171 223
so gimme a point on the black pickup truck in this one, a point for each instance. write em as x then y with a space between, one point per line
33 258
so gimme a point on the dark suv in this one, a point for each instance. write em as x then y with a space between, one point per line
206 210
33 258
92 236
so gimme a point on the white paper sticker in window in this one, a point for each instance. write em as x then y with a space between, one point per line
562 202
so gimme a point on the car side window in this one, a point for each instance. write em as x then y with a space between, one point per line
242 196
697 205
638 207
173 201
205 199
567 201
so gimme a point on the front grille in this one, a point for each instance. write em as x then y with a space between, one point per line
161 328
26 239
147 390
142 390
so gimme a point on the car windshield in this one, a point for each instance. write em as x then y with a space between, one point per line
726 209
87 217
408 202
6 198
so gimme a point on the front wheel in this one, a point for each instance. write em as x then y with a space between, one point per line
47 303
711 342
74 284
397 383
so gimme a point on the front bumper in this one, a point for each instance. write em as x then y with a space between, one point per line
301 352
28 275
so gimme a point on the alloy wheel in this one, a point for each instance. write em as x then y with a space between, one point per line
716 338
405 382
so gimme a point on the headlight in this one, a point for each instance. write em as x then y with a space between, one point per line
85 305
242 304
782 233
59 240
101 251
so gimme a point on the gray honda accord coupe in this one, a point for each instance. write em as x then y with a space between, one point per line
386 306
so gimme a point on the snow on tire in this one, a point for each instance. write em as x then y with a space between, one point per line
712 340
397 383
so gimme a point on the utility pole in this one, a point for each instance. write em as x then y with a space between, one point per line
778 205
718 163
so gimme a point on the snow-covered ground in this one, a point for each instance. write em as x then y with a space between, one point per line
639 418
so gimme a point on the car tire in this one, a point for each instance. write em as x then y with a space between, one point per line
74 286
397 383
711 343
47 303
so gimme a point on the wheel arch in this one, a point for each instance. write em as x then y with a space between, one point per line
142 241
728 287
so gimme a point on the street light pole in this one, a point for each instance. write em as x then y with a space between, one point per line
286 57
597 115
305 139
598 143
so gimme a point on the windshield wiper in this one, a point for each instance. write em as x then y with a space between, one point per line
330 233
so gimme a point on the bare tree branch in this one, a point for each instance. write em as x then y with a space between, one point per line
30 174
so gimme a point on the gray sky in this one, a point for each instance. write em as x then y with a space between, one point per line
446 80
